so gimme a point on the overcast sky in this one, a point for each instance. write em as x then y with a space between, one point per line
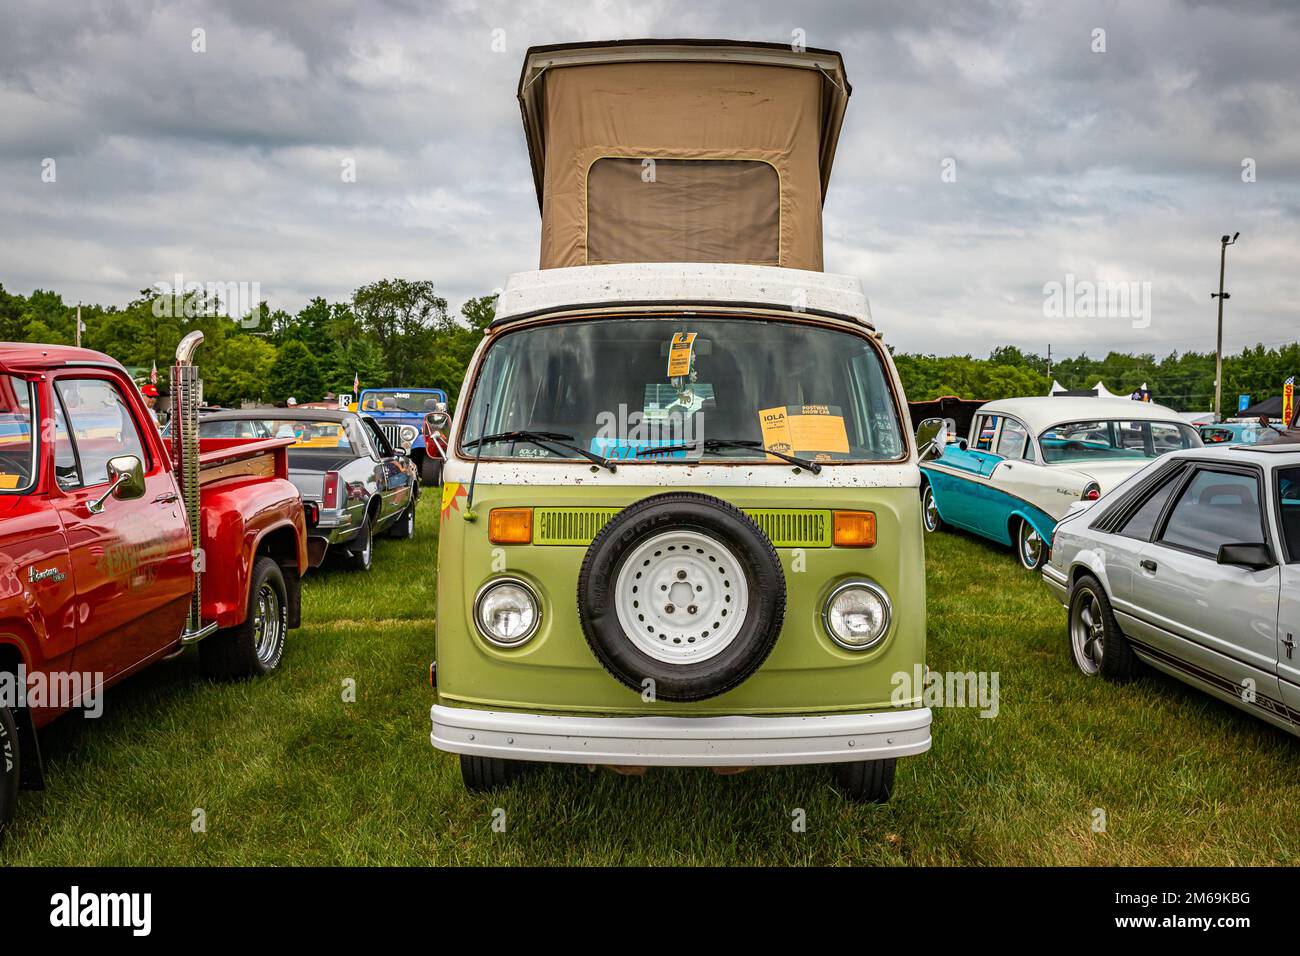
225 165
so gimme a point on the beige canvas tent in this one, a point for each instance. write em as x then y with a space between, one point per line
681 150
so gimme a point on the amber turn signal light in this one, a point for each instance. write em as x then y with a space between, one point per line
510 526
855 529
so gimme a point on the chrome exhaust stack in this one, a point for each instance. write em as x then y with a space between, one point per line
187 394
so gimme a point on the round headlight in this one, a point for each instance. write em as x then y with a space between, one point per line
506 612
857 615
408 433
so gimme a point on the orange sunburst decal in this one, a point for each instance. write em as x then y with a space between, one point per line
451 490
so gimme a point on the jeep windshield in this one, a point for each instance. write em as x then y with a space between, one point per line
1114 440
410 402
727 389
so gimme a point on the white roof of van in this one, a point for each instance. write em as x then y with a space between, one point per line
678 283
1042 412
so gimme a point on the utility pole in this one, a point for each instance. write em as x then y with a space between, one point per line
1221 295
1049 365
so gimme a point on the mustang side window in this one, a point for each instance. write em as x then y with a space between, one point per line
1143 521
1288 499
1216 508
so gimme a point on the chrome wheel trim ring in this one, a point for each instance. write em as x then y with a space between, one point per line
930 510
1031 546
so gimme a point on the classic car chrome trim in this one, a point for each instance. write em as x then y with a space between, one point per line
682 741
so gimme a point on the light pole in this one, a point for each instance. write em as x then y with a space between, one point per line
1221 295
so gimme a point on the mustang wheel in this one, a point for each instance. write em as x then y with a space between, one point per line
929 512
681 596
255 647
1097 644
866 781
9 767
1030 546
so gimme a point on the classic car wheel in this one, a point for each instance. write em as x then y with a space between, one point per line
9 767
1030 547
404 526
361 550
481 774
929 512
431 470
866 781
681 596
1097 644
255 647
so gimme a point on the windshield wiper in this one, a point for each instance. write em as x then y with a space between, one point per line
545 440
713 444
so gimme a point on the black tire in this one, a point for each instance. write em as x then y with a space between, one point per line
10 767
431 471
360 554
484 774
1097 645
866 781
734 533
248 650
930 518
1031 558
404 526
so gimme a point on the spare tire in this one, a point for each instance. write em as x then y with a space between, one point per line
684 590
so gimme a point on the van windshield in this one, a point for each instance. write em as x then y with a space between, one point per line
623 387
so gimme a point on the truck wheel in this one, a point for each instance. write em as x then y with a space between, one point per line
404 526
255 647
361 550
866 781
681 596
431 470
1097 645
9 767
481 774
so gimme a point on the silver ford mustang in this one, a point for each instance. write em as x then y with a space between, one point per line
1193 567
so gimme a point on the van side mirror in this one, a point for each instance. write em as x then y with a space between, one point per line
126 481
1255 557
931 437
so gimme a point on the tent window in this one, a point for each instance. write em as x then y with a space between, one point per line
683 210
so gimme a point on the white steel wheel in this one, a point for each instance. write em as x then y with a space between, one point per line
1030 546
681 597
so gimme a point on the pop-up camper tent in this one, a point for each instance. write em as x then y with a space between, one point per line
682 150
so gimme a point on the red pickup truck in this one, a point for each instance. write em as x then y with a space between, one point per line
118 548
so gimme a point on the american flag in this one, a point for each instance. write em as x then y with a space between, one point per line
153 374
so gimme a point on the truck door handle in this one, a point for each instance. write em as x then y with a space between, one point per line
1148 565
166 499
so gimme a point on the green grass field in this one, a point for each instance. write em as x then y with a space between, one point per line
286 772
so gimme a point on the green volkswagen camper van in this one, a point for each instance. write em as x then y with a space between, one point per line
680 520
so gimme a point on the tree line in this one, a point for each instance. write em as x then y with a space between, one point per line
399 332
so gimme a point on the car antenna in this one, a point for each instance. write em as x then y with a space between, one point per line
469 514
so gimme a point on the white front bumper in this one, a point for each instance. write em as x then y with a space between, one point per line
682 741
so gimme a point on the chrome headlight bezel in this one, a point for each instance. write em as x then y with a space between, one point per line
493 585
862 584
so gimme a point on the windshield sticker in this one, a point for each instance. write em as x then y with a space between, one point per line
663 401
680 354
814 430
625 449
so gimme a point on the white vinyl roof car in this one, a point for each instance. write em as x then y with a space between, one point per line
1192 567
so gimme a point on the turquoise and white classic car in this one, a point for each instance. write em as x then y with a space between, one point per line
1028 460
